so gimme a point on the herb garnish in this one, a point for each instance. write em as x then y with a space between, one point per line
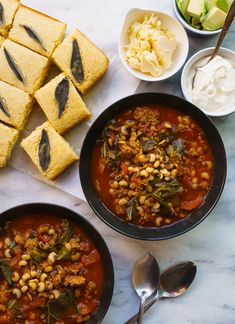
32 34
13 66
44 151
2 19
3 107
76 63
61 95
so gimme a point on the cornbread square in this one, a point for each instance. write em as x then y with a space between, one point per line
7 12
32 67
63 114
37 31
15 105
55 156
1 40
77 55
8 138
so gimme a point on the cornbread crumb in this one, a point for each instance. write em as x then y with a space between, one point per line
9 9
1 40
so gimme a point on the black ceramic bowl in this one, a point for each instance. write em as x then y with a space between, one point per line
41 208
179 227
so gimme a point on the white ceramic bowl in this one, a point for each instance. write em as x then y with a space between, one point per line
192 30
189 71
172 25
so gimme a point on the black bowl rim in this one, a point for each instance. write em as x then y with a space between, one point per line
131 230
96 237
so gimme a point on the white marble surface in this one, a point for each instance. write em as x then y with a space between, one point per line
211 245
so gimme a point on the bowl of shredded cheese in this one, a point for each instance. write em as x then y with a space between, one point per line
153 46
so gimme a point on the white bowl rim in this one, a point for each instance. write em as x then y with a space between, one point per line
189 64
141 75
189 27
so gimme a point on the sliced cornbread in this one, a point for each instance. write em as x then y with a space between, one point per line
7 12
15 105
81 60
1 40
49 151
22 67
62 104
37 31
8 138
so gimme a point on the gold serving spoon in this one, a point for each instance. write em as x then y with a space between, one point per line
228 21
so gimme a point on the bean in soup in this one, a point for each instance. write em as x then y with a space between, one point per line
153 166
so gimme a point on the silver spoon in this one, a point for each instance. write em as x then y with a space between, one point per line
145 280
228 21
174 281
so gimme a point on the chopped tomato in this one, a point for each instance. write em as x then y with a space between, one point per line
188 133
34 304
5 320
136 180
124 169
85 309
91 258
192 204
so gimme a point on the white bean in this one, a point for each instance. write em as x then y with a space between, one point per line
16 292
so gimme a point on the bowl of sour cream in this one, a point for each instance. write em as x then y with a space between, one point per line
210 85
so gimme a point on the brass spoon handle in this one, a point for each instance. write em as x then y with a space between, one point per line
227 24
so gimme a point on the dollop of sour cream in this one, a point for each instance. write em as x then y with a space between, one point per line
213 87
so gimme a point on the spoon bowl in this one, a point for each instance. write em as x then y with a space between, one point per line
145 280
175 280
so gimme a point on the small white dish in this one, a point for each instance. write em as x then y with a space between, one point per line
191 29
189 72
173 26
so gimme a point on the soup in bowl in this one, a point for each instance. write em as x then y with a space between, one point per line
157 166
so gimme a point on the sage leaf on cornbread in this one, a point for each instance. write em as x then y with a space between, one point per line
44 151
76 63
13 66
3 107
61 95
2 19
32 34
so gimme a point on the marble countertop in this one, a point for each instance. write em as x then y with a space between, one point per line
211 245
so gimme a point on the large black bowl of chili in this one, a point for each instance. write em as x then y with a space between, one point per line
54 267
152 166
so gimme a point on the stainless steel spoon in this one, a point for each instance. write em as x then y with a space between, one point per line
174 281
228 21
145 280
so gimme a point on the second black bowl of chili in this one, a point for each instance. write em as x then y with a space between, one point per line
54 267
152 166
